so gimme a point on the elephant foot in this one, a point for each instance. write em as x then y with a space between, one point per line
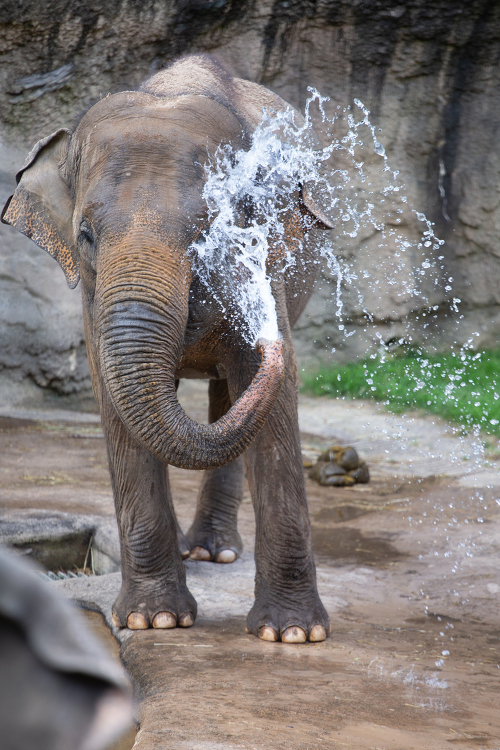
271 622
214 545
154 606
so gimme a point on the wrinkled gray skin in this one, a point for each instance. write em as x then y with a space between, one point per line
118 203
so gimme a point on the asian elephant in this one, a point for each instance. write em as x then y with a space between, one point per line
117 203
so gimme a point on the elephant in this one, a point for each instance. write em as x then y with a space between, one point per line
118 202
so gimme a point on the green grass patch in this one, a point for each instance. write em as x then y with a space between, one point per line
463 387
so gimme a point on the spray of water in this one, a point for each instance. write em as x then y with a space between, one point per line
248 194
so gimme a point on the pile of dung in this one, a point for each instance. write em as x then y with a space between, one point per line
340 467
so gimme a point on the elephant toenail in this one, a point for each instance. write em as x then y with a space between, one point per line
186 620
116 622
136 621
185 553
268 634
164 620
200 553
226 556
294 635
318 633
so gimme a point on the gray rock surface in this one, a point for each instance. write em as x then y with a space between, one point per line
62 540
427 71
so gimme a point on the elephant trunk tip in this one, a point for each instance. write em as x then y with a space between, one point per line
264 344
272 356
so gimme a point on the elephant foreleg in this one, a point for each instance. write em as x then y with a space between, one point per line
287 605
213 534
154 591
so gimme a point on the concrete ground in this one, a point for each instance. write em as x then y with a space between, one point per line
408 569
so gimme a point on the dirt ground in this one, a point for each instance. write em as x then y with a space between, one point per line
408 569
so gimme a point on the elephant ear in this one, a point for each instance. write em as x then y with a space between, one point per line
251 101
42 206
322 220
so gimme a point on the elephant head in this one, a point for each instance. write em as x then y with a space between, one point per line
117 203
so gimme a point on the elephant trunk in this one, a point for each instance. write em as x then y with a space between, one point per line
140 321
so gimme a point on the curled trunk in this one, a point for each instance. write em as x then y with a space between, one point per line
141 333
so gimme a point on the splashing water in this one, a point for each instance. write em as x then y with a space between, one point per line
248 194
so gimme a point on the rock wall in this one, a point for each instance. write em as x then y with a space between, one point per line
426 70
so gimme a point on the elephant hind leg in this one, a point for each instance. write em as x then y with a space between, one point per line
213 535
182 543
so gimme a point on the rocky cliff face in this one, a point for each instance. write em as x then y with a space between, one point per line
428 73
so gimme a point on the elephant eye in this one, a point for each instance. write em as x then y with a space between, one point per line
86 234
86 245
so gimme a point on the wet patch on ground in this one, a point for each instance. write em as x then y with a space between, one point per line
342 512
347 545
